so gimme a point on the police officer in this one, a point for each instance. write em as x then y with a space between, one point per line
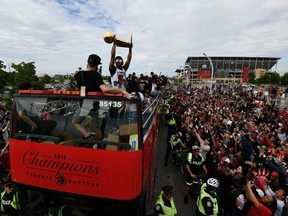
176 144
195 166
172 128
8 200
63 210
165 204
207 203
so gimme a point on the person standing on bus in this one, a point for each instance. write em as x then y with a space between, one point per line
8 200
165 204
118 69
93 81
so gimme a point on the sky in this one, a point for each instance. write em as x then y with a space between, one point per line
59 35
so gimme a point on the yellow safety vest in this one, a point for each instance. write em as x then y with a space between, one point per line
190 156
13 203
172 121
168 211
203 194
174 141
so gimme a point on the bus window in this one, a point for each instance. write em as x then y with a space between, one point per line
66 121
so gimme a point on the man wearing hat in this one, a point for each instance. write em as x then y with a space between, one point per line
93 81
195 167
8 200
165 204
258 201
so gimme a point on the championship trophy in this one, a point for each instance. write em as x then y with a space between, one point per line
110 38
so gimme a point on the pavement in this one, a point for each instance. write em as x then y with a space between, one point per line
171 175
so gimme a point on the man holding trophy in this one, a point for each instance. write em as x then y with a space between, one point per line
117 67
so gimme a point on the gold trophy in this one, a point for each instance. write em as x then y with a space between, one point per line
110 38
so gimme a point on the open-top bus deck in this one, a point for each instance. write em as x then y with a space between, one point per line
55 167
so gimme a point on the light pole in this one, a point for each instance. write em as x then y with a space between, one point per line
211 81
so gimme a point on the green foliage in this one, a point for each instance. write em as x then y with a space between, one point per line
284 79
24 72
273 78
7 100
46 79
2 66
251 78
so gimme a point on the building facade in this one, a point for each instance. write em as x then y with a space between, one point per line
227 69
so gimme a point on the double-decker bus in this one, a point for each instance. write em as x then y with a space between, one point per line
111 173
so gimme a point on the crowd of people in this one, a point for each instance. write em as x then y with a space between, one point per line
242 138
236 138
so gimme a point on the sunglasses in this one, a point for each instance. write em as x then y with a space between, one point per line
169 193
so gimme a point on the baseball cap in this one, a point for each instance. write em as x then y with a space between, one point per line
168 189
274 173
94 60
195 148
260 193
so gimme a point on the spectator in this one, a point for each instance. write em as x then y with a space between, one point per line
258 201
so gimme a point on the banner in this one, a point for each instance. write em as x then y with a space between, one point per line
204 74
245 74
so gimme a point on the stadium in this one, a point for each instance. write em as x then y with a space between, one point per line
227 68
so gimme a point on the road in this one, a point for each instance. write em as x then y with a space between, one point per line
172 175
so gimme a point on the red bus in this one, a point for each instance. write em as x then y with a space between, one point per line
56 169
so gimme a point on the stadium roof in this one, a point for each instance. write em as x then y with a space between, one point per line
231 62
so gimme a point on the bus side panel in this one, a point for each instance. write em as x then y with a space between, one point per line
83 171
149 146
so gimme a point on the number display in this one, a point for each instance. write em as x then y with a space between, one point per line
110 104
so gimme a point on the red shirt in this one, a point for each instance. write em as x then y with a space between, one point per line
261 210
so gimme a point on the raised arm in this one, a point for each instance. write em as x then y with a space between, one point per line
250 195
129 57
112 59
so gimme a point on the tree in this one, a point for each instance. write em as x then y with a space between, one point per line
284 79
2 66
45 79
24 72
275 78
265 79
251 78
3 81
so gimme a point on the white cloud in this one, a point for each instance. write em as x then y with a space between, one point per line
59 35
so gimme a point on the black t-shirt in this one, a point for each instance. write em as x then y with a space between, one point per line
91 79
